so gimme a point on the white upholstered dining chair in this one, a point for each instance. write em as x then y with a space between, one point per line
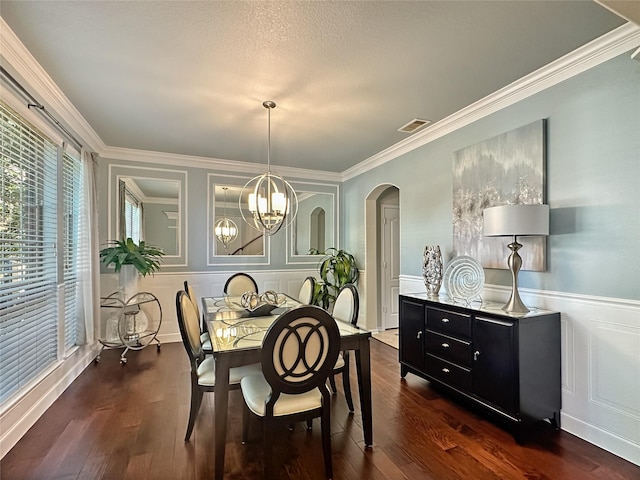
346 309
204 335
203 370
239 283
298 353
306 291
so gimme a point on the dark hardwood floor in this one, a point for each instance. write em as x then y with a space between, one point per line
117 422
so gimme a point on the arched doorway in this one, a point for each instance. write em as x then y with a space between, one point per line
382 256
317 227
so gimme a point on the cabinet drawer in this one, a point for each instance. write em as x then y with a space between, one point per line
449 348
449 373
449 323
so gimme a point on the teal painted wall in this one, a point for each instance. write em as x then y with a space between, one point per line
593 185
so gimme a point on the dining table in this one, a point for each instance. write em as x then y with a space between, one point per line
236 335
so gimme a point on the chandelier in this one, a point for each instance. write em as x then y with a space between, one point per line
225 229
268 202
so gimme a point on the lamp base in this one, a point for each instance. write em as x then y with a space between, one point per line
515 305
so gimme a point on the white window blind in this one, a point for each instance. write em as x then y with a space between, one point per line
133 216
28 264
72 195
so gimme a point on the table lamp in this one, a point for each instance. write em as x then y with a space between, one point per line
516 220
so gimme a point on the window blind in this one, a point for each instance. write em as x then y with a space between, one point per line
133 217
28 265
72 195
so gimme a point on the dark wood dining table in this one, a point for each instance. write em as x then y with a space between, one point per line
236 338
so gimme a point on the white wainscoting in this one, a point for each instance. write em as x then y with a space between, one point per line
600 363
20 415
600 354
205 284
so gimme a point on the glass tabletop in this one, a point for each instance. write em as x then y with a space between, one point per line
234 304
232 328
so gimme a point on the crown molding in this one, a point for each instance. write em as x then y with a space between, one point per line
146 156
598 51
594 53
42 86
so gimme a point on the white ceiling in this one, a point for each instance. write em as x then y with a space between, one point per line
189 77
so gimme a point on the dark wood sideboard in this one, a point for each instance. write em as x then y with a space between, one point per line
508 365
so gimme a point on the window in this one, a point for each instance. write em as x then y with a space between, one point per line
132 216
30 234
72 193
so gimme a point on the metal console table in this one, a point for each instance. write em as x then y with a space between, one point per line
132 324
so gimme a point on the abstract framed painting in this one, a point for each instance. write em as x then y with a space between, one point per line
503 170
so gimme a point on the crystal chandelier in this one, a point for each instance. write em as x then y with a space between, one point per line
225 229
268 202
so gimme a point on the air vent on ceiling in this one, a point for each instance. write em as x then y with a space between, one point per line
413 125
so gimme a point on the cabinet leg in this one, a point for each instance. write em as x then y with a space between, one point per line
403 371
518 435
555 421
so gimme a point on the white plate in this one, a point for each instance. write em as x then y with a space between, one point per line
464 278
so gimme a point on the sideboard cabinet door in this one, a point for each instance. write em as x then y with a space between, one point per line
412 324
495 368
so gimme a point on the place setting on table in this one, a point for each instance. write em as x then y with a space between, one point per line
237 326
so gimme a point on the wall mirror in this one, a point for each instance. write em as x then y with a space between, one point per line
148 204
148 210
248 241
315 225
250 247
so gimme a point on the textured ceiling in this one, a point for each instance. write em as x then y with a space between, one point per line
189 78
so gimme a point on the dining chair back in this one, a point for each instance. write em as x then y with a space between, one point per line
205 340
189 289
189 325
306 291
203 371
298 353
239 283
346 309
347 305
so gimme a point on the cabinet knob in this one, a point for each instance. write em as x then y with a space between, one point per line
445 370
476 354
445 320
445 345
419 334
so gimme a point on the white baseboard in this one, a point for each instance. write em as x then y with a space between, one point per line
602 438
596 408
18 416
600 351
169 338
21 414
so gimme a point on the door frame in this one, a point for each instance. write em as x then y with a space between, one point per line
386 299
372 254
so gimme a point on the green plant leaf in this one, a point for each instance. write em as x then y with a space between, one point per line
145 258
336 269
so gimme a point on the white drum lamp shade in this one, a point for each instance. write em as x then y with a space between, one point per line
520 220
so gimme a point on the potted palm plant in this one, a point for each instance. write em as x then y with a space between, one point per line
337 268
130 259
